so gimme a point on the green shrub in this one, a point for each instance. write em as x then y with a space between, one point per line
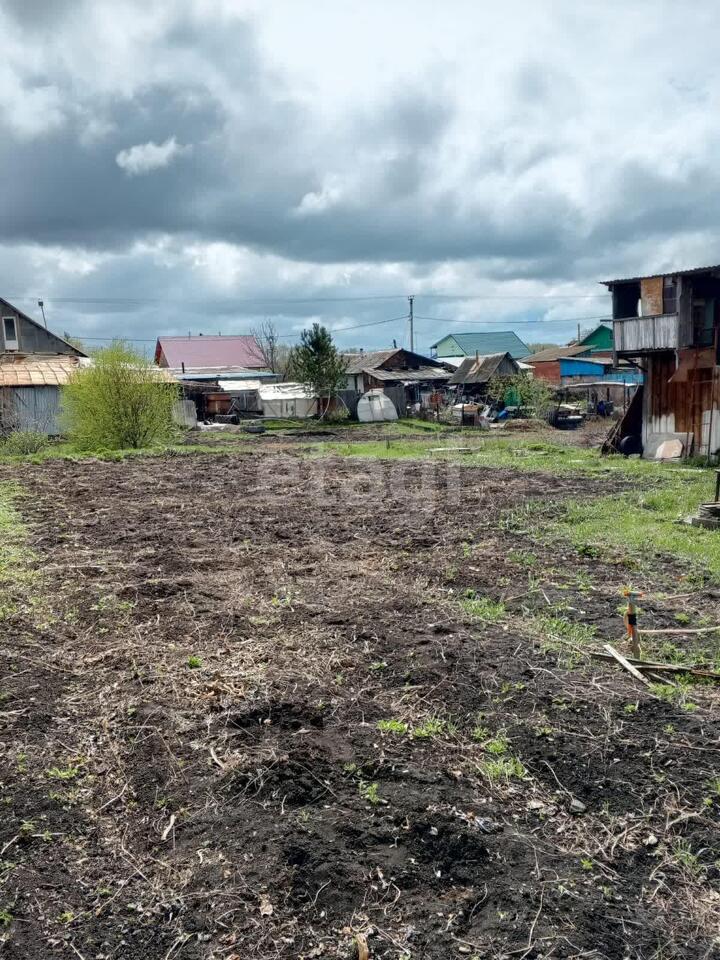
20 443
119 403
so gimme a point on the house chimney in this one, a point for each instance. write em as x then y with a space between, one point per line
395 344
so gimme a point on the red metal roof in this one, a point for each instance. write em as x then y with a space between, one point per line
202 351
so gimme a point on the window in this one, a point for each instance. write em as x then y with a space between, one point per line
669 295
10 333
703 316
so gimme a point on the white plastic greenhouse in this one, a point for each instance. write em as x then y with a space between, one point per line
375 406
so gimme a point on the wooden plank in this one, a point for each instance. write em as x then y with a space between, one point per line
651 295
625 664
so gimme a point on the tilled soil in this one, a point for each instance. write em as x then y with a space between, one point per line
192 765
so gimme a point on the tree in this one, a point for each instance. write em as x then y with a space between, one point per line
121 401
274 354
316 363
523 391
537 347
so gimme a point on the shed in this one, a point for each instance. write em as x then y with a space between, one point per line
478 371
287 400
546 363
30 390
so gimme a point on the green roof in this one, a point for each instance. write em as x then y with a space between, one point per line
599 338
500 341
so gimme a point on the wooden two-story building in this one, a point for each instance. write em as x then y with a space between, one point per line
668 325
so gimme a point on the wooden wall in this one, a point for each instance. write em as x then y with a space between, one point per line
684 398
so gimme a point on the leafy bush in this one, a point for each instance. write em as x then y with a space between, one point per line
119 403
22 442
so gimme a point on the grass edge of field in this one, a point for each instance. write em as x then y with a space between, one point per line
651 516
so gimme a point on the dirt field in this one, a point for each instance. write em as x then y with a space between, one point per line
247 715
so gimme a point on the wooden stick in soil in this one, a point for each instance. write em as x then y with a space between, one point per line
625 664
696 671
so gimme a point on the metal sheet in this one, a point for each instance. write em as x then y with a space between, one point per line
31 408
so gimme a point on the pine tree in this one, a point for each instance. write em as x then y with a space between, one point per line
316 363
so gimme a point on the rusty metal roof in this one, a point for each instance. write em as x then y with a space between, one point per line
36 370
557 353
50 370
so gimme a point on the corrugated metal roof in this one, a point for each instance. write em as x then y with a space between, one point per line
239 385
202 351
402 376
285 391
217 373
481 369
489 342
557 353
664 273
37 370
50 370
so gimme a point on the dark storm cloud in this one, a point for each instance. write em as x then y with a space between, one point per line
188 131
40 14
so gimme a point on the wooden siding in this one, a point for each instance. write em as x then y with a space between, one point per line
643 334
689 406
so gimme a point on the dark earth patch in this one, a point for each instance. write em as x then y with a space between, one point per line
192 765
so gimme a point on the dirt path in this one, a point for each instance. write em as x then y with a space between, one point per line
192 761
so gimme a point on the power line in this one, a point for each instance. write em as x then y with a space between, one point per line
282 336
513 323
137 301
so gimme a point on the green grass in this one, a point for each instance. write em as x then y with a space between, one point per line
66 451
430 728
483 608
503 769
14 553
627 523
392 726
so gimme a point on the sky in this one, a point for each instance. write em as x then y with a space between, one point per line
175 166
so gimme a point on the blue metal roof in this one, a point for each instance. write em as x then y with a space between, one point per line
492 341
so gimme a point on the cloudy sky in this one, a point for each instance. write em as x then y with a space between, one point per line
175 165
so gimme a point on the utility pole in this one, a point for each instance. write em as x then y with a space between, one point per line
41 304
412 332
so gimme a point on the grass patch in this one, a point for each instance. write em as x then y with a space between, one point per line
483 608
627 521
392 726
432 727
559 635
503 769
14 554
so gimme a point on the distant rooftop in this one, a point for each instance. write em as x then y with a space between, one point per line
486 343
558 353
215 351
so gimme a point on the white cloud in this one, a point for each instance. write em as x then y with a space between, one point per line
146 157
